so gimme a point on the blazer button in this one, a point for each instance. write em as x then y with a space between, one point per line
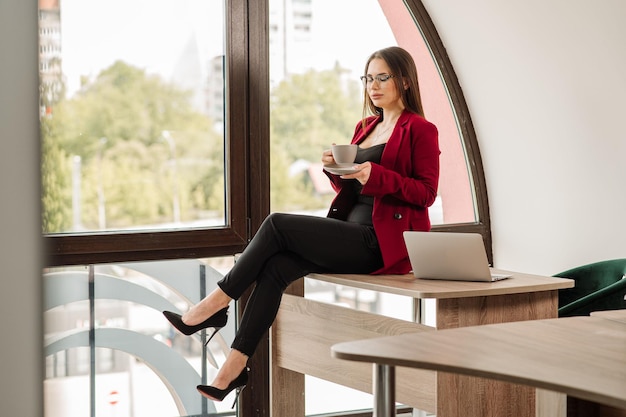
397 216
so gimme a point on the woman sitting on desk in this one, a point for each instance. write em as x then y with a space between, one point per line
396 182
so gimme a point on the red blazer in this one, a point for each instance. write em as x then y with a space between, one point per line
403 185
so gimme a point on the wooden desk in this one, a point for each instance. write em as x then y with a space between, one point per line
305 330
584 357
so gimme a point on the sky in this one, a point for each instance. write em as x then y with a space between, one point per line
150 34
349 30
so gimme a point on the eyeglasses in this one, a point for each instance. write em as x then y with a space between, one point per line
381 78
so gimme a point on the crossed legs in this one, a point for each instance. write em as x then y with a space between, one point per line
286 248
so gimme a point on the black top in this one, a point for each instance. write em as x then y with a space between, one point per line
362 211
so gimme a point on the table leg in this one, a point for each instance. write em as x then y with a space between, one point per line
550 403
384 390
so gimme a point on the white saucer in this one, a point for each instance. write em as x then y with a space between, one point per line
341 169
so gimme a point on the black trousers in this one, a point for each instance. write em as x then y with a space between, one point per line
288 247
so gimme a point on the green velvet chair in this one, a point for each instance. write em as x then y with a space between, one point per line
599 286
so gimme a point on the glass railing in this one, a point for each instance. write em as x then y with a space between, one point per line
110 351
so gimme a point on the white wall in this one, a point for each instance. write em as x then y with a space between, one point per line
21 349
545 83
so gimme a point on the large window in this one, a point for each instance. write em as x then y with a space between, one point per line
161 120
141 157
155 120
133 115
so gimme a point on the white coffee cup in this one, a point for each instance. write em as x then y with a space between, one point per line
344 154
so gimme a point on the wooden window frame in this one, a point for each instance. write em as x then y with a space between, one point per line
482 225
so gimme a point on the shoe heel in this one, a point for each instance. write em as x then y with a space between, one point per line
237 396
215 330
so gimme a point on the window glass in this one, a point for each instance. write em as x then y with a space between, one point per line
316 98
132 114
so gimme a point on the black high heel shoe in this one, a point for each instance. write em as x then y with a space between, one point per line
217 394
217 321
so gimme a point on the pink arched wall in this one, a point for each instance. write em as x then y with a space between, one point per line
455 187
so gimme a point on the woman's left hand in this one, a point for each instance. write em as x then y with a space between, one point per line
363 173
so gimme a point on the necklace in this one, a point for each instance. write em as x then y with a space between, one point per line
381 132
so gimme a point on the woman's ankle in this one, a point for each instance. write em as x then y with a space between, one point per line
235 363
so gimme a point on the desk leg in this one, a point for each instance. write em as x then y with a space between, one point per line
550 403
418 311
384 390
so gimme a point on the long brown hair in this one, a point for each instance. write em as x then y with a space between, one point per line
402 66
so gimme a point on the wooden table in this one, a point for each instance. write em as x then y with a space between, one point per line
305 330
584 357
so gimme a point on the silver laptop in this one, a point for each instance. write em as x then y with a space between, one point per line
449 256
